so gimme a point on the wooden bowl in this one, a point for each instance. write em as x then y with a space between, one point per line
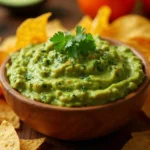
78 123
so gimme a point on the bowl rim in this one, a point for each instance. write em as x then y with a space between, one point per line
146 68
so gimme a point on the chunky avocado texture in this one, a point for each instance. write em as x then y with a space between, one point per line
107 74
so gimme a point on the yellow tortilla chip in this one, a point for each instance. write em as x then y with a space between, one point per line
101 21
137 143
54 26
31 144
128 27
142 46
3 56
32 31
8 44
86 22
8 137
7 114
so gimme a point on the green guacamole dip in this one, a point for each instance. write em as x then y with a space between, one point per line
41 73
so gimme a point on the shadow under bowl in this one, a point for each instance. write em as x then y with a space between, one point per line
77 123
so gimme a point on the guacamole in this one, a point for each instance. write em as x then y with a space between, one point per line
104 75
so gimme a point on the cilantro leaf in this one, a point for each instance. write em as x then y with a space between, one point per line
73 46
80 36
59 40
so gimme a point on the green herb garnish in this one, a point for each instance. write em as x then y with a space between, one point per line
80 44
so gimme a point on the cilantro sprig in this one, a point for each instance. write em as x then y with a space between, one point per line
74 45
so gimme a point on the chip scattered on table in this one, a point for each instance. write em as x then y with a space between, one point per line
9 139
7 114
31 144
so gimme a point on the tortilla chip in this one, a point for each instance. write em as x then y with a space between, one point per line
8 44
54 26
32 31
101 21
137 143
3 56
31 144
86 22
141 45
7 114
128 27
8 137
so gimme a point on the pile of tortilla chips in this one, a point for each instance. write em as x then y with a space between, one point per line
139 141
9 139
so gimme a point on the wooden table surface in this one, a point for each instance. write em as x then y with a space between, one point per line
68 12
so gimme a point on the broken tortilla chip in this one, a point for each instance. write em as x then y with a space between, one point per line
33 144
7 114
8 137
101 21
32 31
